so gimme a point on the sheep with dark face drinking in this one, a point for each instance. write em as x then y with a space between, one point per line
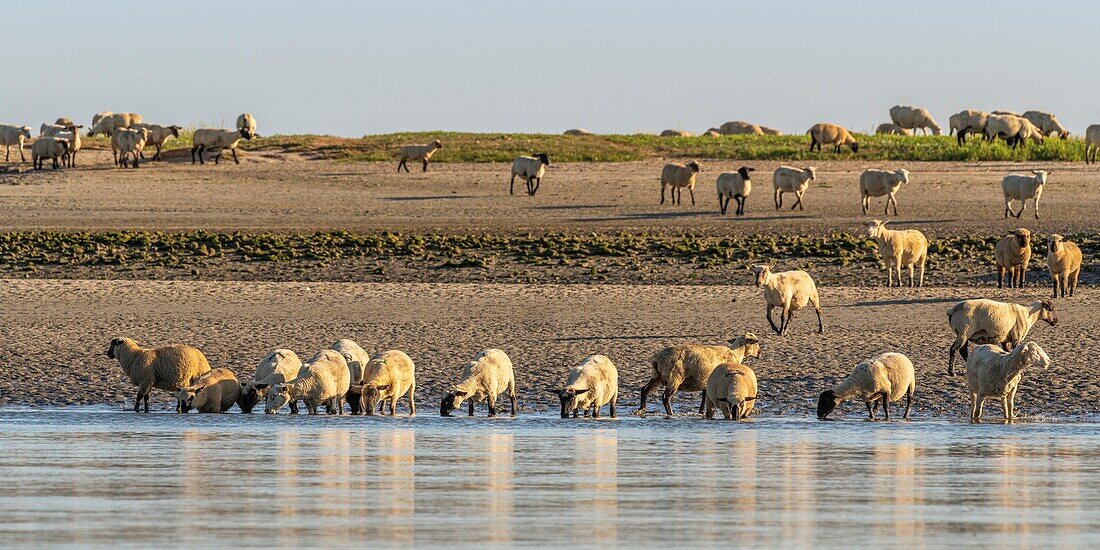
590 385
277 367
882 379
387 376
485 378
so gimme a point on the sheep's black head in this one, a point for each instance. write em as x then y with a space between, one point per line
568 399
737 408
744 171
186 399
695 166
855 147
175 130
111 348
1023 237
248 398
438 144
451 401
1046 313
246 133
1064 135
354 398
826 404
371 396
544 158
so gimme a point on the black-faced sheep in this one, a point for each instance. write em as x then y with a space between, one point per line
686 367
530 170
165 368
323 380
590 385
878 183
389 375
277 367
1064 263
907 247
734 185
827 133
677 177
417 152
914 118
213 392
1012 254
14 135
731 388
882 379
788 179
487 376
984 321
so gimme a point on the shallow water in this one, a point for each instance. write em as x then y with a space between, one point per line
97 477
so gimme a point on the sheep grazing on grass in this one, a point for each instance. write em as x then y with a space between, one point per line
675 133
417 152
770 131
129 143
14 135
158 136
1015 130
53 148
110 122
590 385
686 367
1064 263
210 139
734 185
484 379
740 127
323 380
1047 123
990 322
389 375
213 392
713 132
907 247
826 133
878 183
530 170
1092 143
992 372
889 129
790 291
165 368
1012 254
884 379
277 367
677 177
247 126
970 121
913 118
1020 187
577 132
788 179
731 388
100 116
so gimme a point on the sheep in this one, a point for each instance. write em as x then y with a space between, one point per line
100 116
731 388
129 143
357 359
885 378
590 385
1047 123
790 290
107 124
770 131
323 380
388 376
686 367
165 368
912 118
1064 263
1092 143
14 135
48 148
985 321
247 126
208 139
906 247
277 367
1005 113
158 136
484 379
531 169
889 129
1021 187
1013 129
1012 254
64 121
677 177
417 152
788 179
213 392
992 372
734 185
577 132
826 133
968 121
738 127
713 132
876 183
67 131
675 133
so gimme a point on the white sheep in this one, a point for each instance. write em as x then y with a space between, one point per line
1020 187
788 179
877 183
247 126
357 359
912 118
734 185
677 177
1092 143
389 375
992 372
675 133
107 124
323 380
531 170
100 116
739 127
827 133
1047 123
984 321
907 247
129 143
789 290
1012 254
48 148
1015 130
884 379
277 367
417 152
209 139
713 132
213 392
590 385
686 367
1064 263
731 388
70 132
14 135
165 368
484 379
969 121
890 129
158 136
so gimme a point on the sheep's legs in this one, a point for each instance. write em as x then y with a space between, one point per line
798 203
893 200
538 182
1010 400
778 199
491 402
908 402
512 186
1036 201
662 191
870 410
645 392
865 203
235 159
886 405
691 192
721 205
512 397
741 205
820 320
703 403
471 408
770 322
412 403
425 166
788 316
666 398
975 408
402 163
956 346
911 280
612 404
1001 277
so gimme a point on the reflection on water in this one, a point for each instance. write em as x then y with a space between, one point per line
92 477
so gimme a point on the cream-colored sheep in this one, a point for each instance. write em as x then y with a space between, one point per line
1064 263
731 388
789 290
165 368
417 152
14 135
686 367
48 148
969 121
590 385
531 170
129 143
734 185
913 118
878 183
389 375
990 322
992 372
100 116
884 379
323 380
1047 123
577 132
1020 187
209 139
71 132
277 367
107 124
740 127
827 133
1015 130
1012 254
907 247
890 129
65 121
247 126
788 179
713 132
484 379
1092 143
357 359
213 392
770 131
158 136
677 177
675 133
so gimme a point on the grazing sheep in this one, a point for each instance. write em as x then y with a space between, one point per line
590 385
734 185
417 152
889 129
213 392
826 133
1064 263
577 132
731 388
387 376
675 133
129 143
1005 113
100 116
323 380
969 121
158 136
770 131
1092 143
1021 187
912 118
357 359
1015 130
713 132
906 247
992 372
990 322
484 379
877 183
788 179
530 169
739 127
1012 254
677 177
14 135
1047 123
277 367
247 126
881 379
790 290
208 139
165 368
686 367
48 148
107 124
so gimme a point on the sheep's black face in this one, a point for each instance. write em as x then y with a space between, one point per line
111 349
855 147
354 398
826 404
744 171
1022 240
371 396
568 402
544 158
447 405
248 399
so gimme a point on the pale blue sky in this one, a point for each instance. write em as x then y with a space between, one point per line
622 66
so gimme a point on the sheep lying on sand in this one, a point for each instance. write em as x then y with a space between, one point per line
734 185
677 177
1012 254
789 290
731 388
387 376
417 152
882 379
1064 263
826 133
877 183
165 368
992 372
788 179
277 367
675 133
590 385
213 392
991 322
531 170
907 247
484 379
686 367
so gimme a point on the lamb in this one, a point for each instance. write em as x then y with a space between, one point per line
247 126
14 135
889 129
911 118
67 131
165 368
1021 187
1013 129
731 388
277 367
417 152
1012 254
357 359
208 139
1047 123
675 133
991 372
738 127
484 379
885 378
677 177
826 133
48 148
388 376
129 143
531 169
788 179
876 183
968 121
324 380
1092 143
590 385
1064 263
790 290
577 132
108 123
686 367
990 322
213 392
734 185
159 135
906 247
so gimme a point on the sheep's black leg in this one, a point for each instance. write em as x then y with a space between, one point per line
137 401
908 404
425 166
645 393
778 199
512 399
399 164
813 142
691 192
492 404
538 182
294 407
471 408
721 205
886 406
666 399
662 193
156 156
770 322
235 159
512 187
870 411
703 403
193 149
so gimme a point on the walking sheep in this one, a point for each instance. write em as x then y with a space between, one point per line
14 135
210 139
788 179
889 129
1015 130
158 136
686 367
884 379
1020 187
484 379
213 392
1064 263
1012 254
912 118
129 143
165 368
734 185
324 380
826 133
387 376
731 388
48 148
907 247
677 177
789 290
1047 123
590 385
417 152
970 121
277 367
530 169
877 183
992 372
1092 143
990 322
